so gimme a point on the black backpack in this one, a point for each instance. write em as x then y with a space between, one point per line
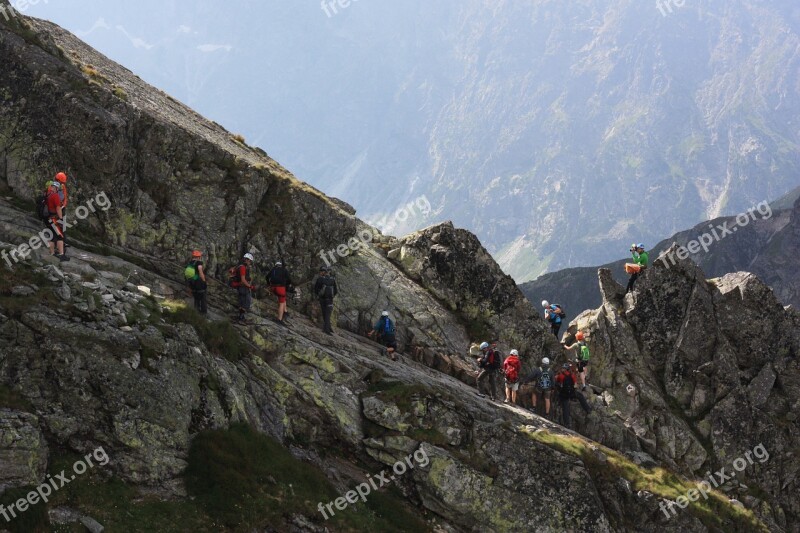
326 291
42 210
567 387
561 314
493 360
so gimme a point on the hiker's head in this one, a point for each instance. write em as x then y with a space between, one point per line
61 177
514 352
640 247
278 263
197 254
324 270
484 346
385 313
56 185
545 303
580 336
545 361
248 258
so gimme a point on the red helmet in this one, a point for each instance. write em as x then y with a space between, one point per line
197 253
61 177
580 336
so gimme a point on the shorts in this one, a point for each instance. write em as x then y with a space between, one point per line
582 365
280 292
245 298
513 386
541 392
390 341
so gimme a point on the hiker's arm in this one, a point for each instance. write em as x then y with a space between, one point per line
60 212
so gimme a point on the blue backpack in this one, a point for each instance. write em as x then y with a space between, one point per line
388 327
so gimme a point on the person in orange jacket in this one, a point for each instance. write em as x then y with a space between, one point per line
511 369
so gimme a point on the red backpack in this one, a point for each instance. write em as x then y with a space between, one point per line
512 374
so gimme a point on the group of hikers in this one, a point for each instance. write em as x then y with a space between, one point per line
546 382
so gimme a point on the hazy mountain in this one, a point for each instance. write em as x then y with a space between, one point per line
559 132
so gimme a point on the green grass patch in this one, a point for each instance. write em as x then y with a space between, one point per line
716 512
245 480
220 337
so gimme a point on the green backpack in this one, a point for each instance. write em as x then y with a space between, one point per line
190 272
584 351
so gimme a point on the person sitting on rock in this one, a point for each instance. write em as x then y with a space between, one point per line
555 315
325 288
489 363
640 259
543 382
565 382
195 276
582 359
511 369
384 332
278 279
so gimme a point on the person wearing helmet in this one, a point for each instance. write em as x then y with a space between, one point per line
325 288
55 222
489 363
565 382
542 379
640 257
583 355
554 314
243 284
384 332
279 280
511 369
195 276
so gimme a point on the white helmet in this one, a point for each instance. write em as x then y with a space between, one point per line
385 313
514 352
484 345
545 303
249 256
545 361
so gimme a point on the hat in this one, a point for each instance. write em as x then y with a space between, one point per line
385 313
514 352
197 253
545 361
249 256
61 177
484 345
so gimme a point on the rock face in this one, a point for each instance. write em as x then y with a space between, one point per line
100 351
714 369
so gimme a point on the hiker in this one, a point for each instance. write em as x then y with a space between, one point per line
565 381
542 379
555 315
489 363
325 288
278 279
511 369
384 333
55 220
195 276
582 359
638 266
241 281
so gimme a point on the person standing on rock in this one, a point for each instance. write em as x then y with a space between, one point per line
278 279
582 359
195 276
325 288
384 332
242 282
640 259
565 382
489 363
55 222
555 315
511 369
543 382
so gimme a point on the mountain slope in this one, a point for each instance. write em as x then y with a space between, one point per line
211 426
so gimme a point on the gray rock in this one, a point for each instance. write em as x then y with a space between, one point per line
23 449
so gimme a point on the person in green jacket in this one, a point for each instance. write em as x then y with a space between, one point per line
640 258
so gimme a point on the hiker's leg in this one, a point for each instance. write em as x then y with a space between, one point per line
534 398
546 404
327 310
565 419
204 302
480 379
493 383
631 282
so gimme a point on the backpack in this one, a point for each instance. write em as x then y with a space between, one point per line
190 272
559 311
512 375
42 211
278 276
567 387
584 351
493 360
233 275
326 291
545 382
388 327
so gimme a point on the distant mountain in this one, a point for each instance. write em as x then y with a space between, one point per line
768 247
558 132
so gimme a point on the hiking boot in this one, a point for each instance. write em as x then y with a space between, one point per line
583 388
63 258
505 401
482 395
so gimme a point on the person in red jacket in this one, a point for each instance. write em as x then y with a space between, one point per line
56 221
511 369
565 382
